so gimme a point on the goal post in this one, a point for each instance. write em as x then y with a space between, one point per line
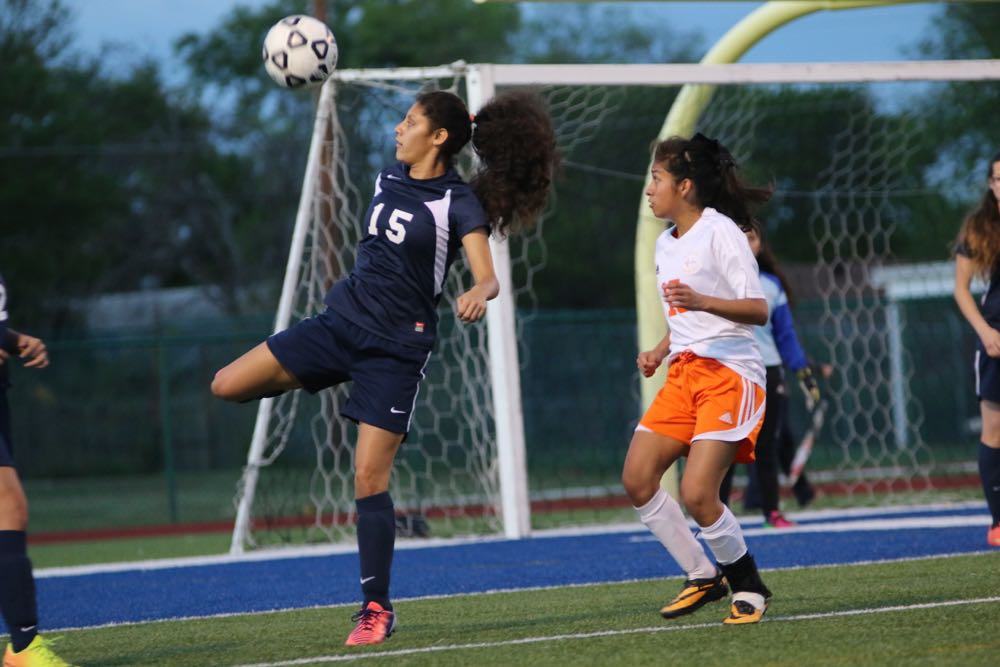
468 464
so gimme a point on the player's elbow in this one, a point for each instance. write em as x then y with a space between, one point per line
224 385
758 313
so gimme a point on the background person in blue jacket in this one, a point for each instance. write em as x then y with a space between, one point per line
779 346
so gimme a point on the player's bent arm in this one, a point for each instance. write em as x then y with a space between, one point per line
964 270
471 305
477 254
743 311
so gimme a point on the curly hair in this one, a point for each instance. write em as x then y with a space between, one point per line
711 168
980 231
516 145
515 141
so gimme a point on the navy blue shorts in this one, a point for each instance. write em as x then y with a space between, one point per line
6 447
326 350
987 371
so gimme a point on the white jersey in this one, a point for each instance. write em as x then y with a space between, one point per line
713 258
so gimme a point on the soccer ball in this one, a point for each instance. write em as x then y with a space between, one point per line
299 52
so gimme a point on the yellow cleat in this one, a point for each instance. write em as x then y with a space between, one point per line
746 608
38 653
694 594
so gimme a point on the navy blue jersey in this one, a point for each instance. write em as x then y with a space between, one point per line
412 233
989 306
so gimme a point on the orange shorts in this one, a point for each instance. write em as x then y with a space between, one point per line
704 399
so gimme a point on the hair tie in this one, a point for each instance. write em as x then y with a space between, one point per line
716 151
710 145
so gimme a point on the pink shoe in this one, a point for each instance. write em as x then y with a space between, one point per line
777 520
993 536
374 625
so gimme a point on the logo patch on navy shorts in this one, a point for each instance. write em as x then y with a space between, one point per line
418 327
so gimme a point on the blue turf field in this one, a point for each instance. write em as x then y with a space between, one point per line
134 595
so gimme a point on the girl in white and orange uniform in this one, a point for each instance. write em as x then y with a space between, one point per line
712 405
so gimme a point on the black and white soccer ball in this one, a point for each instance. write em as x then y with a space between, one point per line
299 52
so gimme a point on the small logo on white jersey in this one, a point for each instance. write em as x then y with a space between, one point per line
726 418
691 264
397 412
365 580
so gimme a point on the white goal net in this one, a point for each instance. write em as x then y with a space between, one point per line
530 414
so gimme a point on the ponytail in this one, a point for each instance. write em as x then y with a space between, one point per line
712 169
515 141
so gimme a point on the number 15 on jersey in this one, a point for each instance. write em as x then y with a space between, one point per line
395 230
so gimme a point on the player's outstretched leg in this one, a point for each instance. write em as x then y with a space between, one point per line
38 653
374 625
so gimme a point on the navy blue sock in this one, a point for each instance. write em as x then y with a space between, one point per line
376 541
989 472
17 589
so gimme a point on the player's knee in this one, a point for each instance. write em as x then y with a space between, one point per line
369 480
13 510
636 489
991 434
700 503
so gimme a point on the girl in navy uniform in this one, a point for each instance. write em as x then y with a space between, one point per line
381 320
977 252
17 582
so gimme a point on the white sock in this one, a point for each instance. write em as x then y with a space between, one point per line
663 516
725 538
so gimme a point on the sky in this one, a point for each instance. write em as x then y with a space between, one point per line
149 27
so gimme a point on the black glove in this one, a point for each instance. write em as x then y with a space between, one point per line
809 386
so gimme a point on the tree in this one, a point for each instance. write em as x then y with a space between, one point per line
962 117
71 183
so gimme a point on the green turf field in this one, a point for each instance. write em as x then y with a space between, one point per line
920 612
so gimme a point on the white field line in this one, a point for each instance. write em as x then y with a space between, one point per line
496 591
613 633
604 529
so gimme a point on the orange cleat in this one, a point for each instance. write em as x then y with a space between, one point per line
746 608
694 594
374 625
38 653
993 536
